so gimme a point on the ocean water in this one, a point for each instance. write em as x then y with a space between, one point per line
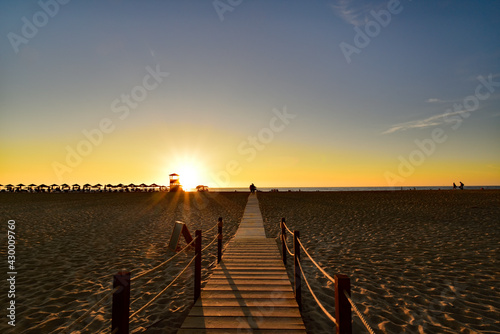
285 189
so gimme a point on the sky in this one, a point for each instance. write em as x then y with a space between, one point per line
228 92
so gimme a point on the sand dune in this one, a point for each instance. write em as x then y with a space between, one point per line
419 261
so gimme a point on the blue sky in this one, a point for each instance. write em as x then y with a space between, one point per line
353 120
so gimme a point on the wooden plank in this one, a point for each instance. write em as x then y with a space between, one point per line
254 311
238 331
235 281
241 302
244 322
273 294
225 287
249 276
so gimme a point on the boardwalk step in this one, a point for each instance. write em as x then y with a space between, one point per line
254 311
244 322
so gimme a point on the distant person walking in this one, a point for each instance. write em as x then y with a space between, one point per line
454 186
461 186
253 188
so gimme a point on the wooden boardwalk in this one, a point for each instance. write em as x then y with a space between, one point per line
249 291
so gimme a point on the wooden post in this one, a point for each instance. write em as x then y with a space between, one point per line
283 241
342 305
121 303
297 276
197 266
219 240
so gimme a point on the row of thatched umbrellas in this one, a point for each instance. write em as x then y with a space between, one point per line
85 186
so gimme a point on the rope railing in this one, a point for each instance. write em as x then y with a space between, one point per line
315 263
121 285
316 298
343 301
358 313
93 307
121 301
162 291
163 263
211 242
210 229
288 249
286 227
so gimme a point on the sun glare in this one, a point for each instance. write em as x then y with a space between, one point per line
189 177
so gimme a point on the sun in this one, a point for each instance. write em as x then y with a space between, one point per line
189 176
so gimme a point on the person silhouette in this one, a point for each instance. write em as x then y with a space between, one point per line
461 186
454 186
253 188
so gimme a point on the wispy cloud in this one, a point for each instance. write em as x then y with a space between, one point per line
424 123
435 100
354 12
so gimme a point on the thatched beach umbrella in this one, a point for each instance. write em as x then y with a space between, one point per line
42 187
9 187
86 186
75 186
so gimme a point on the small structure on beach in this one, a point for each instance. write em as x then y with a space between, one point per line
175 185
201 188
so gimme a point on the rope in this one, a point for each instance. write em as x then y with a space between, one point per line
80 318
316 264
288 250
314 296
288 229
217 224
162 291
363 320
210 244
163 263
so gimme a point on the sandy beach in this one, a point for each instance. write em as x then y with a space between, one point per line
419 261
70 245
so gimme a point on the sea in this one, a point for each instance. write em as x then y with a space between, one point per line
286 189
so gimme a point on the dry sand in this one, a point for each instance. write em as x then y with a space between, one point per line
419 261
70 245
